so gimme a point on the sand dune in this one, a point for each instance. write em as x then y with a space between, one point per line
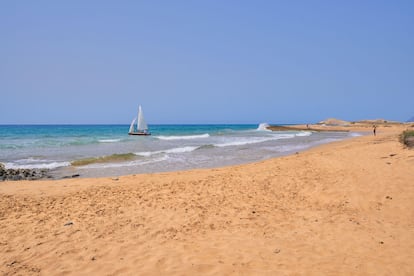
345 208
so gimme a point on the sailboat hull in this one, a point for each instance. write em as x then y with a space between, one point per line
139 133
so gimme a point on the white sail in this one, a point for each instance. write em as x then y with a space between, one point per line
141 125
131 127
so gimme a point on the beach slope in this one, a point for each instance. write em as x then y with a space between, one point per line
344 208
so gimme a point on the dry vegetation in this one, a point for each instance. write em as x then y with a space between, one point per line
407 138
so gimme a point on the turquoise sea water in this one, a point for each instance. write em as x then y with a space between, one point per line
169 148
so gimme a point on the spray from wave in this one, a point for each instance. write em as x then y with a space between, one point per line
263 127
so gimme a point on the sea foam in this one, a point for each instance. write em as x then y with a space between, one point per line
173 150
183 137
47 165
248 141
125 164
109 140
304 134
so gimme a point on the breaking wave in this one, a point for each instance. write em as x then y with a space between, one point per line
183 137
31 163
248 141
103 159
125 164
109 140
263 127
304 134
173 150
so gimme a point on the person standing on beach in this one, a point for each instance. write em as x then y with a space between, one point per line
375 130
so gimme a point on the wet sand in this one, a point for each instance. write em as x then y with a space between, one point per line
344 208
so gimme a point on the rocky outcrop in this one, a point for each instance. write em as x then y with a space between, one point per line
334 122
22 174
378 122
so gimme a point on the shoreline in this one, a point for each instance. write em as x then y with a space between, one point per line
102 160
339 208
128 162
363 126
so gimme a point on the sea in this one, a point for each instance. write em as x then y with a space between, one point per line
108 150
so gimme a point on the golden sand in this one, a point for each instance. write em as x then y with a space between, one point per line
345 208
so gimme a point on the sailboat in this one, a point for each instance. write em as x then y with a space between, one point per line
141 126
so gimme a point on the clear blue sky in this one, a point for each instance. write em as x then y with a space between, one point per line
205 61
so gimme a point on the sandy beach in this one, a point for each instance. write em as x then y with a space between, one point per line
344 208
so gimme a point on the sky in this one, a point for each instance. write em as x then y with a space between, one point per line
201 62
